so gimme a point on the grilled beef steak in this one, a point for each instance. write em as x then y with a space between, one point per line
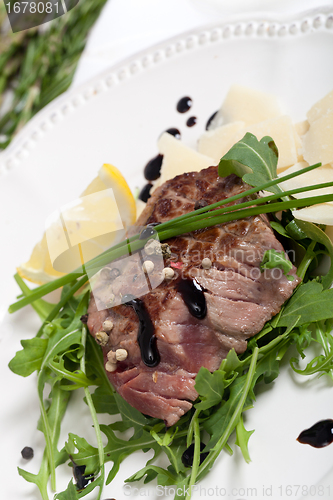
200 314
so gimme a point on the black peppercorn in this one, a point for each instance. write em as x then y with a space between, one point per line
27 453
200 204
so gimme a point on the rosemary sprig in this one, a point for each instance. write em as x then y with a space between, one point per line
38 64
191 221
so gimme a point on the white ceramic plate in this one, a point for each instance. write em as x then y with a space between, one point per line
117 118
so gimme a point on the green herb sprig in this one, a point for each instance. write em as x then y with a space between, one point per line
274 259
37 65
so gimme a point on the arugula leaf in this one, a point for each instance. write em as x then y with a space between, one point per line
76 377
164 476
61 340
218 421
308 237
174 452
90 453
30 359
210 387
294 231
103 396
242 439
130 416
70 493
231 364
322 363
316 234
324 334
252 160
268 366
115 451
302 338
318 364
272 258
234 416
310 303
55 414
279 228
104 401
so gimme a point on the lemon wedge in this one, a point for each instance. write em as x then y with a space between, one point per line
83 228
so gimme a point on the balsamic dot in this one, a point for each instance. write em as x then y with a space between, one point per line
191 121
184 104
145 192
188 455
319 435
175 132
152 170
210 119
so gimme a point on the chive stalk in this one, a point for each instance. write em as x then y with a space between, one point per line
241 214
257 201
248 192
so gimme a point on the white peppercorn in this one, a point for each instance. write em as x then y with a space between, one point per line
101 338
168 273
107 325
206 263
121 354
110 367
148 266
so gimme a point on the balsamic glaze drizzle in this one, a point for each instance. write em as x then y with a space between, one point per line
175 132
319 435
191 121
146 334
145 192
82 479
184 104
210 119
152 170
193 296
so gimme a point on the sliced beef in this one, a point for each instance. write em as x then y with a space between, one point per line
239 297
